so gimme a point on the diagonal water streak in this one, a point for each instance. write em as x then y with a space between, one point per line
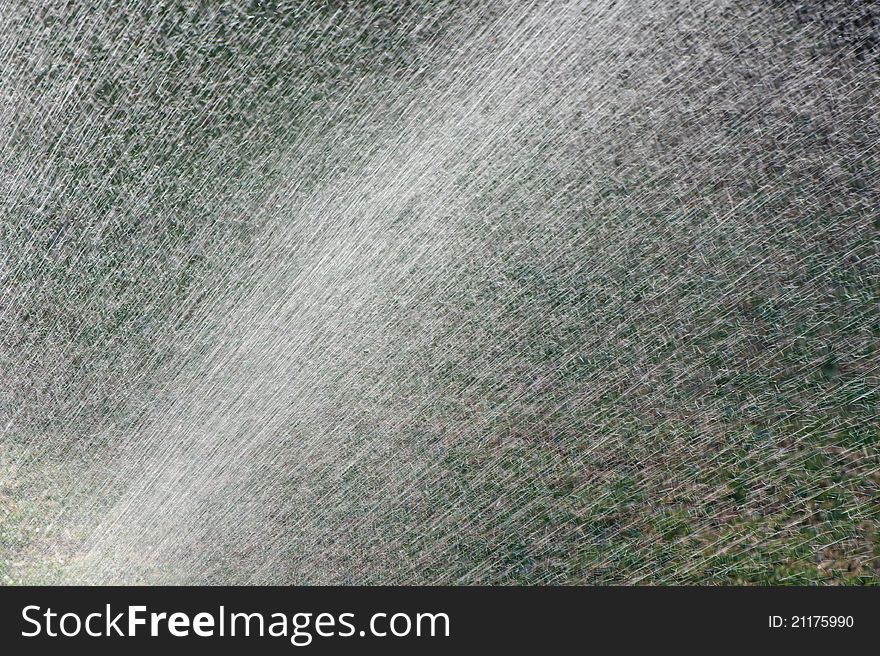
313 313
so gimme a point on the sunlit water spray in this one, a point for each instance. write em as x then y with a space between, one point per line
527 292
